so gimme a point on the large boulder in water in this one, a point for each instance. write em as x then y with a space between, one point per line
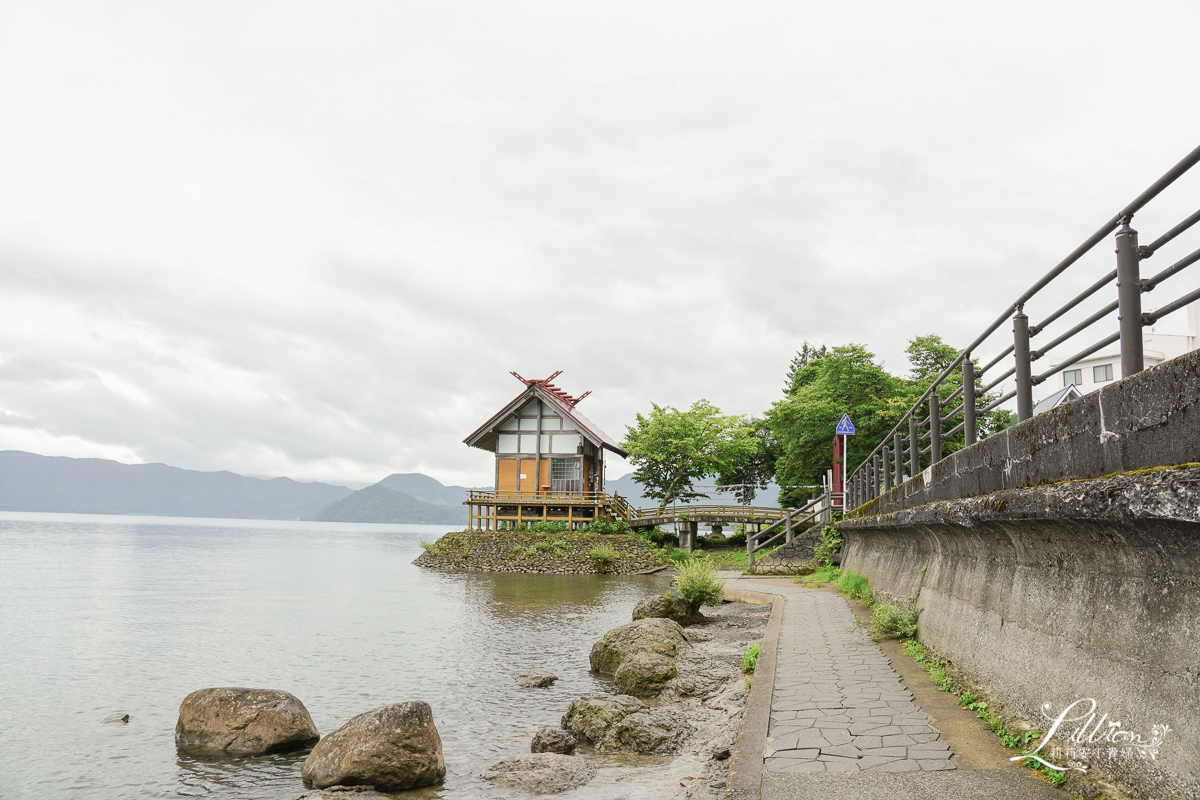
652 731
244 721
393 747
644 674
641 655
541 773
589 717
667 606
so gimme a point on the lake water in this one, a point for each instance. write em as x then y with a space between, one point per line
105 614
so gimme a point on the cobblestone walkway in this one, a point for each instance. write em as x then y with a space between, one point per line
839 706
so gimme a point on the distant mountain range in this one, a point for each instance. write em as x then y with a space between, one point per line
408 497
30 482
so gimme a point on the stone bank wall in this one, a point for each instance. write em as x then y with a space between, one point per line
1087 589
555 553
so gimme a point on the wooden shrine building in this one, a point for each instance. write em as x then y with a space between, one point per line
549 462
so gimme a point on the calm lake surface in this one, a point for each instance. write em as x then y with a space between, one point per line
106 614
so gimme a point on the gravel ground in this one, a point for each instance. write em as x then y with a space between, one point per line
725 634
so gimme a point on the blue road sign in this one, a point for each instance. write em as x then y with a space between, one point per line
845 426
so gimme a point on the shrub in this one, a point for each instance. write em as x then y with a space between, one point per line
750 659
855 586
654 536
604 555
680 556
831 543
607 527
893 622
428 546
546 526
698 584
543 547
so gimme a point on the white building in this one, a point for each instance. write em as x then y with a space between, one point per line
1105 366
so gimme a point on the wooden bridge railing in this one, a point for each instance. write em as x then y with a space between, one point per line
621 508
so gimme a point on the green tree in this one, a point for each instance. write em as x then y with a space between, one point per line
929 357
753 470
807 354
844 380
673 449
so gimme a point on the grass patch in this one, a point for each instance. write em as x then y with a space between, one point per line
1013 739
854 585
604 555
750 659
678 556
735 558
893 621
428 546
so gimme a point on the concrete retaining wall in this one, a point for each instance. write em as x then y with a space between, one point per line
1146 420
1084 589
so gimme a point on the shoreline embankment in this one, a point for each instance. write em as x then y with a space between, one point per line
556 552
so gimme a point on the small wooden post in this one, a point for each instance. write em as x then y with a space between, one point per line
787 522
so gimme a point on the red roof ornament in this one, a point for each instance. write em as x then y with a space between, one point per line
546 386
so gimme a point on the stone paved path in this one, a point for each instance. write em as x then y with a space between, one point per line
839 706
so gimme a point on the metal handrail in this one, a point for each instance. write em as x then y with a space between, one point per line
875 472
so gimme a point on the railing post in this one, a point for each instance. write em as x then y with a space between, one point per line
750 537
1021 354
914 447
887 468
1129 300
898 455
970 428
876 478
787 516
935 427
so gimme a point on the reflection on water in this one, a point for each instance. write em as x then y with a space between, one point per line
102 616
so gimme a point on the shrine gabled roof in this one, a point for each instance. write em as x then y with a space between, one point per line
486 437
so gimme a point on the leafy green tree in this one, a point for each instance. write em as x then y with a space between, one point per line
844 380
929 357
807 354
753 471
673 449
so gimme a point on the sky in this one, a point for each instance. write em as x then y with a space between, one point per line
312 239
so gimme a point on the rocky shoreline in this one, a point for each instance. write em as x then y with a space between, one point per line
675 704
690 693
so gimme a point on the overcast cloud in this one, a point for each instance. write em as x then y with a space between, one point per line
312 239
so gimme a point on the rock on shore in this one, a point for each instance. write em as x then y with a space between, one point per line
652 731
641 655
590 717
553 740
536 679
243 721
667 606
393 747
541 773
